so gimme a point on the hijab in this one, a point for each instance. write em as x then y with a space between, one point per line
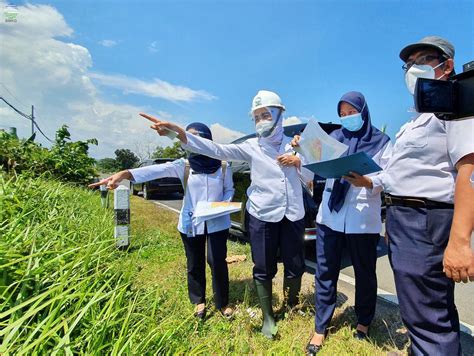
200 163
367 139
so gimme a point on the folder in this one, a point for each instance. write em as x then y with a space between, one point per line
359 163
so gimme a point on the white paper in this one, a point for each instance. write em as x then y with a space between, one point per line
316 145
209 210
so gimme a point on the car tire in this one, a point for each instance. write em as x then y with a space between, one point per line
146 193
132 188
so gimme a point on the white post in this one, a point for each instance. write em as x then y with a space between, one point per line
104 196
122 216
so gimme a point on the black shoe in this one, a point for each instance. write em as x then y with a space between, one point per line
312 349
360 335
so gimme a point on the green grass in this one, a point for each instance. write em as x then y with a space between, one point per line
159 264
66 289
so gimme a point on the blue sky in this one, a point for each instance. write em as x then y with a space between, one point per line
310 52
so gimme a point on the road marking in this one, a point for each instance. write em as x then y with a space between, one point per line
381 293
166 207
389 297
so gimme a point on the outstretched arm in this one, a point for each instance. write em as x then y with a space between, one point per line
230 152
114 180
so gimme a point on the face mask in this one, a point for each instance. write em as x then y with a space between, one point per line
352 122
264 128
419 71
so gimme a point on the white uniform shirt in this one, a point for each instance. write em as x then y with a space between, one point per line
275 191
200 187
360 213
424 157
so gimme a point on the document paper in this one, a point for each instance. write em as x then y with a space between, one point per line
209 210
316 145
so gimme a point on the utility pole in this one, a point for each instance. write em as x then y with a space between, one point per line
32 120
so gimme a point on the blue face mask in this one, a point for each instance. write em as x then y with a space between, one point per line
352 122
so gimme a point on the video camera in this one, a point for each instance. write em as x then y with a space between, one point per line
451 99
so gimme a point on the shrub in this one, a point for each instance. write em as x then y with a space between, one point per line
66 160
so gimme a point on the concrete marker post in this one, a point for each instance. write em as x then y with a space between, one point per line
104 196
122 217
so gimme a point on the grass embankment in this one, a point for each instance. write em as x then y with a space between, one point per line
64 287
160 264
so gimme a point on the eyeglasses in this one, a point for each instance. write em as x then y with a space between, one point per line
420 61
266 116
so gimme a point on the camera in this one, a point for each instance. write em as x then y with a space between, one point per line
451 99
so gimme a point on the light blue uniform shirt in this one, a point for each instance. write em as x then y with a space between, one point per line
360 213
275 191
200 187
424 157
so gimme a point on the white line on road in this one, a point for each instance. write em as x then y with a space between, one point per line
389 297
381 293
166 207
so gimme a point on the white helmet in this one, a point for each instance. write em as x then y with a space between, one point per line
265 98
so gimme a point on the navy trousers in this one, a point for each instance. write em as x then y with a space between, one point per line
195 248
417 240
265 240
363 252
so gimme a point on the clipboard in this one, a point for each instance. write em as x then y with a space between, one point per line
359 163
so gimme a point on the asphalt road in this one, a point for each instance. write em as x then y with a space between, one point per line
464 294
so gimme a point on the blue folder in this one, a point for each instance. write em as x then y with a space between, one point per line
358 162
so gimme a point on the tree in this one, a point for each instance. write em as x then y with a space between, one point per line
175 151
125 158
107 165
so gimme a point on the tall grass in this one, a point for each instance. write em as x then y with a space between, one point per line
60 288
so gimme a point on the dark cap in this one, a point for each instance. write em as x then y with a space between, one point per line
434 42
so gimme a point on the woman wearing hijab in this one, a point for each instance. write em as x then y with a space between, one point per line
204 179
349 215
275 202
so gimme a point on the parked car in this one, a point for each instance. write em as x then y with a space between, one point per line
157 186
241 175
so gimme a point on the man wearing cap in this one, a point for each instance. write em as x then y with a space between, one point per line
429 202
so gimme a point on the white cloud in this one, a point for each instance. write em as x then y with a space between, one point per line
223 134
108 43
157 88
153 47
292 120
39 66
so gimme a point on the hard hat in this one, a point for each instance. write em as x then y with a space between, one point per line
265 98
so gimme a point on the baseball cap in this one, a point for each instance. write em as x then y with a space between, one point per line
435 42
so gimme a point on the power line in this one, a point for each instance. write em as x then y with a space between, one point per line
28 117
14 97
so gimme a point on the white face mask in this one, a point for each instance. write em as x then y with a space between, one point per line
419 71
265 128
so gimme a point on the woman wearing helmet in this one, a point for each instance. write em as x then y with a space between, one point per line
275 203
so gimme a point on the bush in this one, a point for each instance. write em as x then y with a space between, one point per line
66 160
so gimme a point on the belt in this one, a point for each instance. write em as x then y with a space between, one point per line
414 202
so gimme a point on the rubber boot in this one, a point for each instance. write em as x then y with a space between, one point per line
264 292
291 290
